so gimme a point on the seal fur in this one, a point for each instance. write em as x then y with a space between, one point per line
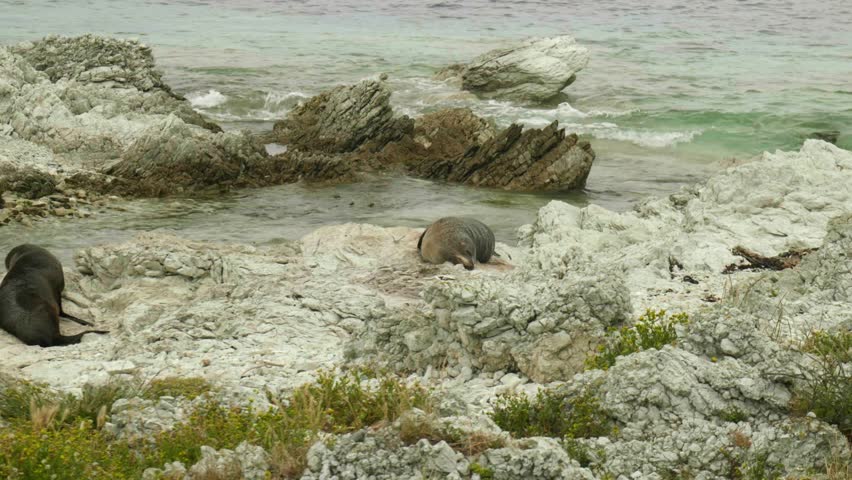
31 298
456 240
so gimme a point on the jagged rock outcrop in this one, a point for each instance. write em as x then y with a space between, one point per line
451 145
520 160
343 119
294 166
438 137
115 63
109 123
382 455
533 71
517 321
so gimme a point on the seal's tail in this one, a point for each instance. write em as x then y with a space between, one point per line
73 339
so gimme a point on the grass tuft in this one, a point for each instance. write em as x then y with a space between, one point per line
654 329
827 387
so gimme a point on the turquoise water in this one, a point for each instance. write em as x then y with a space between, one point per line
672 87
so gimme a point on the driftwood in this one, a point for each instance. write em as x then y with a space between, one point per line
788 259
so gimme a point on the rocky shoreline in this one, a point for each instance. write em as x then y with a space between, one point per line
92 113
724 395
254 319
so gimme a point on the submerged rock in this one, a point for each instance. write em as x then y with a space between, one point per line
533 71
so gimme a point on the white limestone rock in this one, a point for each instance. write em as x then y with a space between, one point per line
532 71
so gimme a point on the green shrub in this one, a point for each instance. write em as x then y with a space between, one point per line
742 466
577 451
551 414
484 473
416 427
827 387
732 414
22 400
654 329
69 452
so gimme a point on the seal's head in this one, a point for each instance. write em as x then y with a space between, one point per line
36 255
16 253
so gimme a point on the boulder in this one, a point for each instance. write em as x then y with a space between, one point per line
342 120
533 71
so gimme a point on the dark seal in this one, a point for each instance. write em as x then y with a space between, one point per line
456 240
31 298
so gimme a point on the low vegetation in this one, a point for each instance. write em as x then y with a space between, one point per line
552 414
826 389
51 436
654 329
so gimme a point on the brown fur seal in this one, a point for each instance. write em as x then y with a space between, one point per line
456 240
31 298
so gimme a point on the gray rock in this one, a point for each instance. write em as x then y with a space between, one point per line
172 156
109 122
343 119
535 70
542 326
533 160
247 462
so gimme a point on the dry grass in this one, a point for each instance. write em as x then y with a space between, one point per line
42 416
740 440
413 428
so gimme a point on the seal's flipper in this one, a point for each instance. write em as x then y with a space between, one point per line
420 240
75 319
74 339
467 262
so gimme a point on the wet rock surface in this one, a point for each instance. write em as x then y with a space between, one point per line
348 130
519 160
343 119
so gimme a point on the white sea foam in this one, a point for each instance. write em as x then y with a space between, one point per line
210 99
643 138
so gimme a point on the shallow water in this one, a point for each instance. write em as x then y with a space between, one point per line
672 88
